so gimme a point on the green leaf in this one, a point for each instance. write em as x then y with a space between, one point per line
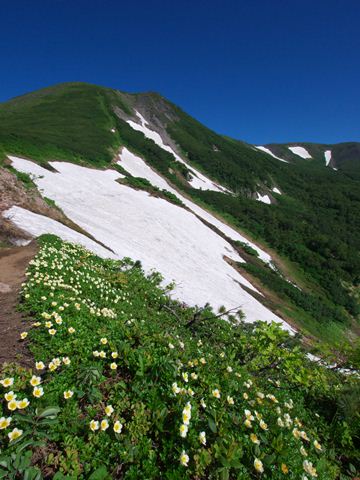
49 412
224 474
100 474
212 424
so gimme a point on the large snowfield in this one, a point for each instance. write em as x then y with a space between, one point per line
137 167
132 223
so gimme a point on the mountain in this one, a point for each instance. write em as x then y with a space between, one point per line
340 156
233 226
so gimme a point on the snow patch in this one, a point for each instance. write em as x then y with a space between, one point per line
21 242
327 155
37 225
132 223
137 167
263 198
198 180
267 150
300 151
276 190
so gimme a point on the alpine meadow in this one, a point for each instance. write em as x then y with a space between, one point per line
174 303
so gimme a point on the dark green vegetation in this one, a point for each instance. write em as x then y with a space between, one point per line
315 223
345 156
144 184
126 368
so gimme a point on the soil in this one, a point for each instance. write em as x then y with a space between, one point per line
13 264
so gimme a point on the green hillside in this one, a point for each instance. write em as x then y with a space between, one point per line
130 384
314 226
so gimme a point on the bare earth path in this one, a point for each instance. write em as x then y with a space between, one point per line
13 263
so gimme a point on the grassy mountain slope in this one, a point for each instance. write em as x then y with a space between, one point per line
314 224
130 384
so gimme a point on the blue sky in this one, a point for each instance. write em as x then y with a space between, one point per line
262 70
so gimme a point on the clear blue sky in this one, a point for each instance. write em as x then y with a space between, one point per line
259 70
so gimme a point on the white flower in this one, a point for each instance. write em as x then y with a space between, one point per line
104 425
117 427
258 465
4 422
317 445
68 394
38 392
202 438
216 393
109 410
183 430
35 381
23 403
39 365
184 458
94 425
175 388
14 434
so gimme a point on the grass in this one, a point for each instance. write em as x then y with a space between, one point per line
65 122
130 384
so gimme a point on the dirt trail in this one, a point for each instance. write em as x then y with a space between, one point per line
13 263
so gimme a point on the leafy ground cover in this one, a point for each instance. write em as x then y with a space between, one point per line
128 383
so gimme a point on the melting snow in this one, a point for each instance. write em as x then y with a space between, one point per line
36 225
138 168
327 155
263 198
276 190
132 223
300 151
267 150
198 180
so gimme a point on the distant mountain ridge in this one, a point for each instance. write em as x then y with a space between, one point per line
343 156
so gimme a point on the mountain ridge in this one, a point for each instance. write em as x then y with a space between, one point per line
284 206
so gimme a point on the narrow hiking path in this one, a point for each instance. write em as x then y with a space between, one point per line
13 264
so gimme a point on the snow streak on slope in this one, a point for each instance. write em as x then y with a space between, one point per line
327 155
276 190
198 180
267 150
138 168
300 151
37 225
163 236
